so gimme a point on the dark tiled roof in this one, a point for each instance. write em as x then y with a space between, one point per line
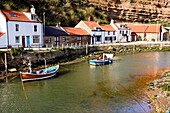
54 31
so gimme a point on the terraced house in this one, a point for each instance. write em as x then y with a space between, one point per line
100 34
65 37
146 32
20 29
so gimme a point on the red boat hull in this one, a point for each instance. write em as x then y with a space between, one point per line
30 76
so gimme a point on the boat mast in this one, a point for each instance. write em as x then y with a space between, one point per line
30 65
45 62
6 68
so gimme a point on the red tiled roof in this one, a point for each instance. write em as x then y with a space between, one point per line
91 24
17 16
148 28
107 28
75 31
1 34
138 28
153 28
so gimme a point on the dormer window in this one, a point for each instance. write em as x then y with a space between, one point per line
34 17
98 29
12 15
122 26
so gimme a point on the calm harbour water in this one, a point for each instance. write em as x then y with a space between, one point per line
81 88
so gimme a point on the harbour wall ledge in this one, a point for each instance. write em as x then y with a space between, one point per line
19 59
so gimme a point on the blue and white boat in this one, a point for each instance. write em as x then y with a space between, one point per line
107 59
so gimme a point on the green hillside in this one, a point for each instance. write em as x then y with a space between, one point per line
66 12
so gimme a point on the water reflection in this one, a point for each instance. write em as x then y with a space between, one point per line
80 88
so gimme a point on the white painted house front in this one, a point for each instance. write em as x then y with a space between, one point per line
110 34
22 29
123 32
99 34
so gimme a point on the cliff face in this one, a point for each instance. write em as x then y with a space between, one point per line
136 10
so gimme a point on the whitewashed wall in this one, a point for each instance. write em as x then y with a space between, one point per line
25 29
3 39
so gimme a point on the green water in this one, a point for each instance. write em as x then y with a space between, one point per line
80 88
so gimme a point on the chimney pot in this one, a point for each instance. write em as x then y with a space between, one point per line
32 9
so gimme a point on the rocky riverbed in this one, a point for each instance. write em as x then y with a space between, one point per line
158 93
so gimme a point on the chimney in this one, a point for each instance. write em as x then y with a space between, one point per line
32 9
57 25
111 22
89 18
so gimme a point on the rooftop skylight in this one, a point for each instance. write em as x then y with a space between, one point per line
12 15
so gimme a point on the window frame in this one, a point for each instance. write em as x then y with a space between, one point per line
16 39
63 39
35 28
16 27
79 38
34 40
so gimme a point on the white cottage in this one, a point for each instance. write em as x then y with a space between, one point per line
100 34
23 29
123 32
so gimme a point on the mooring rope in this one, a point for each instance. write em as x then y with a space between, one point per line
135 98
25 95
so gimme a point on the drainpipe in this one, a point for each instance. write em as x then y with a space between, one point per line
7 34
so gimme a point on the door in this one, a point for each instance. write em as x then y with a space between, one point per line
23 41
28 41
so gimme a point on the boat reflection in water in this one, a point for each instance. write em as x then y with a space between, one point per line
115 88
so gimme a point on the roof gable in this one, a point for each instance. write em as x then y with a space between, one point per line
107 28
91 24
75 31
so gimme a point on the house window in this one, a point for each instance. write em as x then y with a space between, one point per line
35 28
108 32
114 38
16 27
64 39
17 39
12 15
34 17
120 32
98 38
56 40
36 39
123 32
49 40
107 38
98 28
113 32
78 38
72 38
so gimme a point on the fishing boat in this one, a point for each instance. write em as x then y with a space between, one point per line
41 74
107 59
